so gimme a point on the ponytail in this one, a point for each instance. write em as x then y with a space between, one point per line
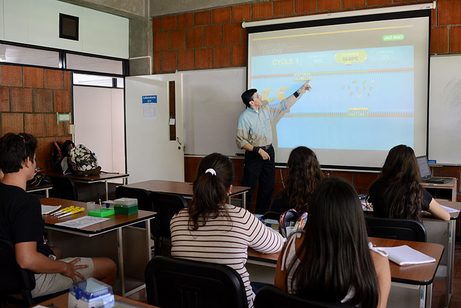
214 177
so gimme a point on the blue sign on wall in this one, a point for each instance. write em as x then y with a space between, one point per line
149 99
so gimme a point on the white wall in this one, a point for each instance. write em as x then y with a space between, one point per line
36 22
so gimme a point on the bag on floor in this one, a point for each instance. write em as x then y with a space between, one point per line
60 157
83 161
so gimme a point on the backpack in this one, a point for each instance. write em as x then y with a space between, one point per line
60 156
83 161
39 178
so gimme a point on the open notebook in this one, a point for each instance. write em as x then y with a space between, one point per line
405 255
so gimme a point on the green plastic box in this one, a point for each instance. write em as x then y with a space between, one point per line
126 206
102 212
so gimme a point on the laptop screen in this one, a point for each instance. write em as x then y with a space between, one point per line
424 169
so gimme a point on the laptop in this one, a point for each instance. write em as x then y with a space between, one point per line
425 172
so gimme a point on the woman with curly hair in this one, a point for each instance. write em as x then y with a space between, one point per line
304 174
397 193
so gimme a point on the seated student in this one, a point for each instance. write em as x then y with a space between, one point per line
304 174
331 260
211 230
21 222
397 192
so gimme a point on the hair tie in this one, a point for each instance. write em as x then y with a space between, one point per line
210 170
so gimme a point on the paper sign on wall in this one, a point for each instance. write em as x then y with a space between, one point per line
149 107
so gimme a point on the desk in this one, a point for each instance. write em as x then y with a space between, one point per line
61 301
99 178
182 188
116 223
444 191
41 187
444 233
421 275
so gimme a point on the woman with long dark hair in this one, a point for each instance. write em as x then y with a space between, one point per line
397 193
303 176
331 260
212 230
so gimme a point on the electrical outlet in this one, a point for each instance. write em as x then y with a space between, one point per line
72 129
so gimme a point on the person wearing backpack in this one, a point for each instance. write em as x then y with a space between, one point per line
22 224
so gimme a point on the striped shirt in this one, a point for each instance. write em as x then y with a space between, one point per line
255 127
224 240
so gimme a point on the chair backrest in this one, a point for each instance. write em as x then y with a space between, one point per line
143 196
13 279
64 188
271 297
183 283
393 228
166 206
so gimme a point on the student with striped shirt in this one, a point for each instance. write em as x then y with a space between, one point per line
211 230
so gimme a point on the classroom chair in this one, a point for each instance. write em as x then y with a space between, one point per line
17 281
166 206
180 283
271 297
64 188
393 228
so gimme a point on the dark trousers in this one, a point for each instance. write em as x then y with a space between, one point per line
256 169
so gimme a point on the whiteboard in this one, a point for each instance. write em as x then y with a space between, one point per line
445 110
212 107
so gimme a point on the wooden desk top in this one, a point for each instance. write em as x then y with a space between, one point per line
114 221
91 178
179 188
61 301
448 184
40 187
421 274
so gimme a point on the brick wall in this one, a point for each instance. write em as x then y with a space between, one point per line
29 100
215 39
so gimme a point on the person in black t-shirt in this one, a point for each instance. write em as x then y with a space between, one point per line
22 224
397 192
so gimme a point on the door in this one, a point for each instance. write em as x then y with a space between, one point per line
154 131
98 109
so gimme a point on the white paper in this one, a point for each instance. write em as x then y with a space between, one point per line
405 255
81 222
450 210
47 209
149 111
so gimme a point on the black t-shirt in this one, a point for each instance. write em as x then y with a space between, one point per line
21 218
381 207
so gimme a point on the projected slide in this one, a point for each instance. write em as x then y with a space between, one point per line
369 80
354 91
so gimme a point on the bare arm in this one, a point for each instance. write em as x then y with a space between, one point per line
383 273
29 258
438 211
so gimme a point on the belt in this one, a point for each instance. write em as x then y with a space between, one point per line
266 147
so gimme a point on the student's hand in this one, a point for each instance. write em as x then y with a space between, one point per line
305 87
71 270
264 154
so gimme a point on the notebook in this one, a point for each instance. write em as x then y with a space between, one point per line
405 255
425 172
